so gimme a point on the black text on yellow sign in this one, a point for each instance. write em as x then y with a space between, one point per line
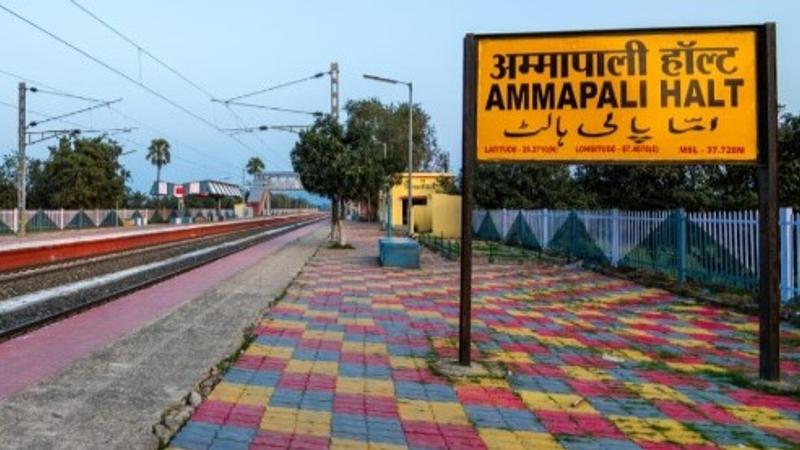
684 96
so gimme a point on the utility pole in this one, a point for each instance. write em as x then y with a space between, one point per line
335 91
21 203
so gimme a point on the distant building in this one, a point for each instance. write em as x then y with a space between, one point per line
202 188
434 212
266 184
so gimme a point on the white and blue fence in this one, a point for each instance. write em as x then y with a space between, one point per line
718 247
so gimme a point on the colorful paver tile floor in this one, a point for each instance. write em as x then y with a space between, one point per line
344 361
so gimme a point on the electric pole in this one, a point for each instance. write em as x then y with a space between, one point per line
21 204
335 91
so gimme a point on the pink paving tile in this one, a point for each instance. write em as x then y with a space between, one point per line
477 395
679 411
599 388
673 379
245 416
319 344
303 381
212 411
578 424
717 414
790 435
755 398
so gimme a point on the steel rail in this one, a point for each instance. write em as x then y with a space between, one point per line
100 295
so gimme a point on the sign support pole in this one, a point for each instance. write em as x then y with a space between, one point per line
468 146
769 257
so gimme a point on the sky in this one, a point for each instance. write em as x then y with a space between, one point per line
234 47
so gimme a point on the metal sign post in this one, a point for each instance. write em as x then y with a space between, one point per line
651 96
769 294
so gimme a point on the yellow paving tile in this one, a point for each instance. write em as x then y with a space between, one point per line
269 350
497 439
657 430
763 417
371 386
347 444
367 348
654 391
559 341
323 335
449 413
586 373
406 362
548 401
419 410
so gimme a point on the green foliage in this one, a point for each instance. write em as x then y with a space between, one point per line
283 201
647 186
447 185
79 173
525 186
325 162
254 165
642 187
789 147
337 163
8 177
158 153
389 124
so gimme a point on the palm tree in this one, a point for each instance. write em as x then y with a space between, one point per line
158 155
254 165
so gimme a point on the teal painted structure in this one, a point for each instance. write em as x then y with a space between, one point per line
398 252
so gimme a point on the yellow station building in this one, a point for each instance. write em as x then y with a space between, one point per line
433 212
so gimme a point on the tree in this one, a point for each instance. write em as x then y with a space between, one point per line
640 187
789 158
158 154
8 180
389 124
525 186
377 126
254 166
80 173
332 162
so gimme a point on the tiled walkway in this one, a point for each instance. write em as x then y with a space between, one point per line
344 361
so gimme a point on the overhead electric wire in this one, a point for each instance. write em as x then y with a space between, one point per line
123 138
271 108
163 133
277 86
122 74
140 48
166 66
73 113
38 90
29 80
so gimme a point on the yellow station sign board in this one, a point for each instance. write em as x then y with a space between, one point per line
671 96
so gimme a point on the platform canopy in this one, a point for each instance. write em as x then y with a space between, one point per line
201 188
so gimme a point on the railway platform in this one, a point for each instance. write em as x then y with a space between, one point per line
577 361
101 378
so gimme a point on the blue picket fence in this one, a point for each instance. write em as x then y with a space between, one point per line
714 248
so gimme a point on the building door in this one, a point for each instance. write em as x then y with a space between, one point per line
418 201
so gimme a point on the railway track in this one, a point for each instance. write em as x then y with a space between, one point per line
35 296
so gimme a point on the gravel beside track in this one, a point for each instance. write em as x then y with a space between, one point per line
15 284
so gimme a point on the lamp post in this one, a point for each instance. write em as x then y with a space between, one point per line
410 202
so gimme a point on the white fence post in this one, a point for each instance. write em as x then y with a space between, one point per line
615 237
61 219
545 229
787 259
